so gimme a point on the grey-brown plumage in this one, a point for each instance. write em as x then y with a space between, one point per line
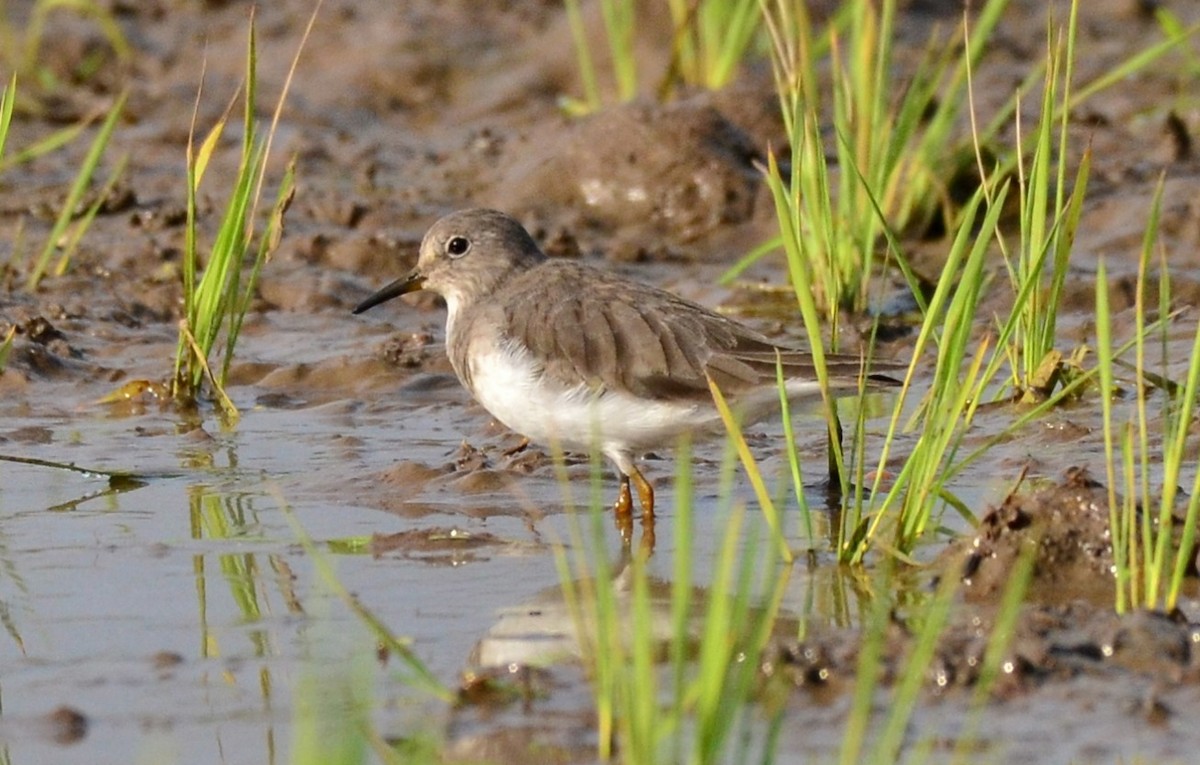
560 350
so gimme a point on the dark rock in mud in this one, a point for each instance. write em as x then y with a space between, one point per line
67 725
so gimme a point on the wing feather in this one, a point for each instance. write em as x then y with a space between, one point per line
602 334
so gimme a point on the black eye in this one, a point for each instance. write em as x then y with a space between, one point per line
458 246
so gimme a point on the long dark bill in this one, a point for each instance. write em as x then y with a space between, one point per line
402 286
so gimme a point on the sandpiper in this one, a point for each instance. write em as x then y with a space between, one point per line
576 356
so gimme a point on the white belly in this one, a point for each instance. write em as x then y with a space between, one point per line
507 383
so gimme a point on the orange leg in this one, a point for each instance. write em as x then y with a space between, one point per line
623 511
645 494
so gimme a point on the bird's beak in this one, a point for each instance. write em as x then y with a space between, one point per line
412 282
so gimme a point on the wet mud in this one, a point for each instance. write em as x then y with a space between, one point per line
440 518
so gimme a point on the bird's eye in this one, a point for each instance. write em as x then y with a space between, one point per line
457 246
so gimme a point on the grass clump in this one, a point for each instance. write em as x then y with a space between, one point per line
21 45
710 40
1049 219
680 673
828 237
63 236
1153 530
69 225
216 300
619 24
696 704
888 158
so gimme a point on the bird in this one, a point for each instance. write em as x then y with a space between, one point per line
579 357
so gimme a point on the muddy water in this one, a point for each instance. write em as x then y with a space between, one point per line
173 619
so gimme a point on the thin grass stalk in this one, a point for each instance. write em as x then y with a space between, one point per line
709 41
6 347
267 245
44 146
610 650
947 424
79 186
619 645
272 130
1184 553
1154 539
581 596
805 204
785 415
941 122
727 28
1178 416
681 581
684 55
769 510
641 708
197 163
619 20
799 269
1173 27
860 480
583 55
1064 241
1032 414
1122 72
1033 195
864 114
1104 353
727 674
1129 535
716 642
85 221
935 616
1134 64
8 97
1027 335
868 671
321 732
955 297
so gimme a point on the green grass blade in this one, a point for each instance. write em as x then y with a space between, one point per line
8 97
6 347
770 512
85 220
82 180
